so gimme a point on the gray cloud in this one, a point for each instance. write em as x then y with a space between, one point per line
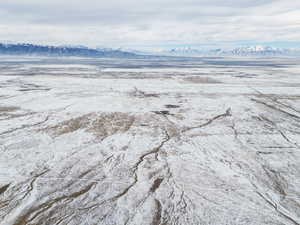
135 22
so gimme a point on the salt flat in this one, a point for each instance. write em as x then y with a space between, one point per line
149 141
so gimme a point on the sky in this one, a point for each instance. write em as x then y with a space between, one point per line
151 24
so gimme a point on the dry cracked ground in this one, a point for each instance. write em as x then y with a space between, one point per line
153 142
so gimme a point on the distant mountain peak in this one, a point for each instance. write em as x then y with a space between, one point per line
257 50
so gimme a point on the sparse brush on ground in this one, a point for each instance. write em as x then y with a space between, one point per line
141 94
202 80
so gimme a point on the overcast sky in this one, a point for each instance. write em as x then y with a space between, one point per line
151 23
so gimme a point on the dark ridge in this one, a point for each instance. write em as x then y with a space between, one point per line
41 50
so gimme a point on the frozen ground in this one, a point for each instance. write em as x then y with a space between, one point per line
149 142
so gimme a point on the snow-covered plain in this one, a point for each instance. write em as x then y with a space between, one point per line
157 141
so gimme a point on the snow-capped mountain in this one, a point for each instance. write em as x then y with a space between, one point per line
261 51
254 51
80 51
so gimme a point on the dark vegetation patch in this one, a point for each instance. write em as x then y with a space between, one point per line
162 112
4 188
169 106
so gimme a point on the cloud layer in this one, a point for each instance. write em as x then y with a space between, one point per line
149 23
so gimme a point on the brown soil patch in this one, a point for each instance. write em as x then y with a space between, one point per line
101 125
5 109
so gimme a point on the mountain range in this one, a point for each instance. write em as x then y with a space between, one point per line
78 51
255 51
82 51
